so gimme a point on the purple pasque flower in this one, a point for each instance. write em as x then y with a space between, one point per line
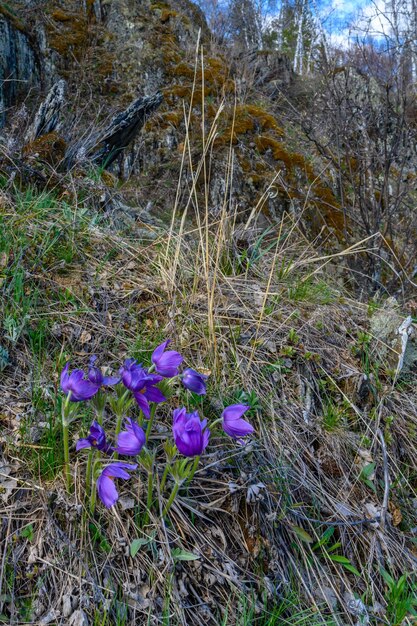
96 377
191 435
131 441
233 424
142 385
194 381
96 439
76 385
166 363
105 484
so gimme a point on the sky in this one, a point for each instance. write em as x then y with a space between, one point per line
345 20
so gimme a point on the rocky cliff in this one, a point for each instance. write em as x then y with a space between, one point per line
224 107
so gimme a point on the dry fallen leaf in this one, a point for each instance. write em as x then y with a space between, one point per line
397 516
85 337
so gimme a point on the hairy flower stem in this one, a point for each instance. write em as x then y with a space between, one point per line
93 492
193 469
65 438
88 478
119 421
150 422
149 499
100 415
217 421
171 499
164 477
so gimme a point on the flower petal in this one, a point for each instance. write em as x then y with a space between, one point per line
128 444
111 380
82 443
65 378
153 394
157 353
117 470
234 411
107 490
143 404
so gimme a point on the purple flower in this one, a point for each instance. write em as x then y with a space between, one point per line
141 384
97 378
105 484
166 363
131 440
96 439
233 424
76 385
190 434
194 381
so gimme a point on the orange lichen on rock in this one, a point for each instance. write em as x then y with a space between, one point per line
68 33
49 148
265 143
263 119
166 14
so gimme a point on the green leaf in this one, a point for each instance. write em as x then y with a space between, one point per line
369 484
334 547
388 579
352 569
27 532
302 534
339 559
137 544
182 555
368 470
325 538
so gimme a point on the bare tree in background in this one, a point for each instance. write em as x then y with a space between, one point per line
298 32
363 122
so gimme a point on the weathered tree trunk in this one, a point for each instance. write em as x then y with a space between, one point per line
47 118
103 148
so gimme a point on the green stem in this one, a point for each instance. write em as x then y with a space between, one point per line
88 480
149 499
193 469
99 416
217 421
118 425
164 477
150 422
65 434
93 496
117 431
65 438
93 493
171 499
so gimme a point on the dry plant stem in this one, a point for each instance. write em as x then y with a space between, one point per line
384 506
171 499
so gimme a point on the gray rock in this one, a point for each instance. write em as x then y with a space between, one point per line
78 618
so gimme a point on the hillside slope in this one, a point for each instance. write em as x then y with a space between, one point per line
218 229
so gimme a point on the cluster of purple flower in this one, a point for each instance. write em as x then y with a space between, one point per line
191 434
